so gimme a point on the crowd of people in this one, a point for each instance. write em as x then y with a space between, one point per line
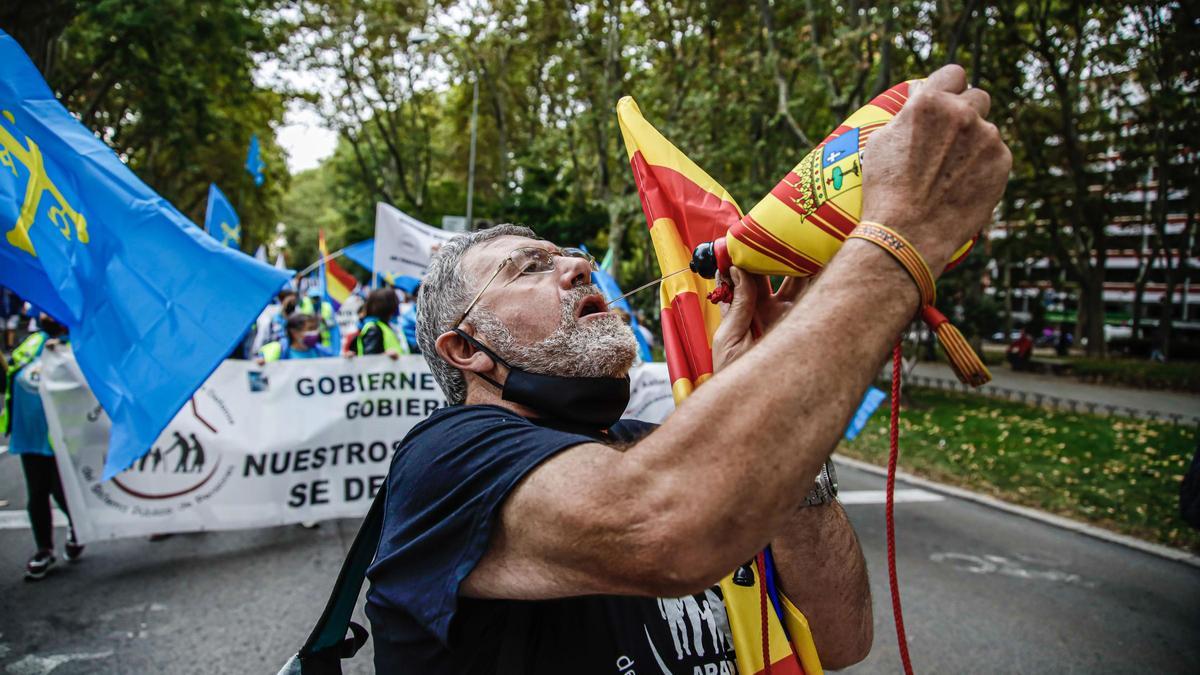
291 327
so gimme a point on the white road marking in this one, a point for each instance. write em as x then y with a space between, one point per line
1185 557
42 665
996 564
906 496
19 520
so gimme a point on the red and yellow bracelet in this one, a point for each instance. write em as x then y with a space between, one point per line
966 363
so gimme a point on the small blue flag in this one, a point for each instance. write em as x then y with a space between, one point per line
362 253
221 221
152 303
406 283
869 404
254 162
610 289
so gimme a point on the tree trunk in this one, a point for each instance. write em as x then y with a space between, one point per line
1091 297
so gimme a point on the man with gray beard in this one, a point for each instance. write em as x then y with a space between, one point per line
529 530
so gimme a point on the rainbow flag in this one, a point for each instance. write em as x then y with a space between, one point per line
336 283
684 207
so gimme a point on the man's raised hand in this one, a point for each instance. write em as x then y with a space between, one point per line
936 172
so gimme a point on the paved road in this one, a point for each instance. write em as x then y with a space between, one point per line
984 592
1162 403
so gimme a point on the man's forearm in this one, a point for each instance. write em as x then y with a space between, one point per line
822 572
752 439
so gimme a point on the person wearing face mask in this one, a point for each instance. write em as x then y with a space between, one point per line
25 419
375 333
527 528
303 341
317 306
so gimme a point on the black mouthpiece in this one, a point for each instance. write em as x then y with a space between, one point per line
704 261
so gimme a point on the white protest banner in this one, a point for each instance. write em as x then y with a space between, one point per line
403 244
291 441
650 396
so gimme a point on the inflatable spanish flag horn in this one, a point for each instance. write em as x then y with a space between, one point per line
797 228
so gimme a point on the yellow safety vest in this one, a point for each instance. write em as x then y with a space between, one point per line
306 307
391 342
27 351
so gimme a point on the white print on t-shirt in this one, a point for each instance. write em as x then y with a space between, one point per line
720 620
698 625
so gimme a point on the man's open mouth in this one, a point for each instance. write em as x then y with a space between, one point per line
592 304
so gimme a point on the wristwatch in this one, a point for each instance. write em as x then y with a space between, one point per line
826 488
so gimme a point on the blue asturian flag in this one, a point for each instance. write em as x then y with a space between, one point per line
221 221
152 303
254 162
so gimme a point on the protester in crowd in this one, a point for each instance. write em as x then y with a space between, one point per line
527 530
11 306
408 327
25 418
314 304
287 307
1020 351
264 325
303 341
375 333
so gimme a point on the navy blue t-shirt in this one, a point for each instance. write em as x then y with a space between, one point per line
444 492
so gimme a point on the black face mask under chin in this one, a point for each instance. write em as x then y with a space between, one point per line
595 402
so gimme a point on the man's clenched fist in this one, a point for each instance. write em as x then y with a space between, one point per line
936 172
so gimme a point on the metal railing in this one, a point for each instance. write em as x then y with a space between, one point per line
1057 402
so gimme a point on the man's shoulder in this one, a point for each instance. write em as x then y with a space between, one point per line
463 413
456 424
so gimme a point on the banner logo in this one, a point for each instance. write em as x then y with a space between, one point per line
178 464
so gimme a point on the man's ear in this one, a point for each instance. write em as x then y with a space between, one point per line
461 354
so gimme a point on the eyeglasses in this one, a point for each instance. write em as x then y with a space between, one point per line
529 260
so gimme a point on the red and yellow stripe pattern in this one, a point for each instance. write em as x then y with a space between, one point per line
339 284
801 224
685 207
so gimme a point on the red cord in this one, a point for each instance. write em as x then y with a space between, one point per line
760 564
890 506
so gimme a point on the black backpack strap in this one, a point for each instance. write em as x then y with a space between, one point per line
328 645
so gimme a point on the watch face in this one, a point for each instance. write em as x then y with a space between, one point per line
833 485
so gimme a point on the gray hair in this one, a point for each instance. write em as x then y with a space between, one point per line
444 295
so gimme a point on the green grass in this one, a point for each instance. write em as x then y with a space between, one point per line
1118 473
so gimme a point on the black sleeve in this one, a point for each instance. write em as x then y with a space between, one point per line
444 489
372 340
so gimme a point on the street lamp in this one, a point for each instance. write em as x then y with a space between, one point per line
471 161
